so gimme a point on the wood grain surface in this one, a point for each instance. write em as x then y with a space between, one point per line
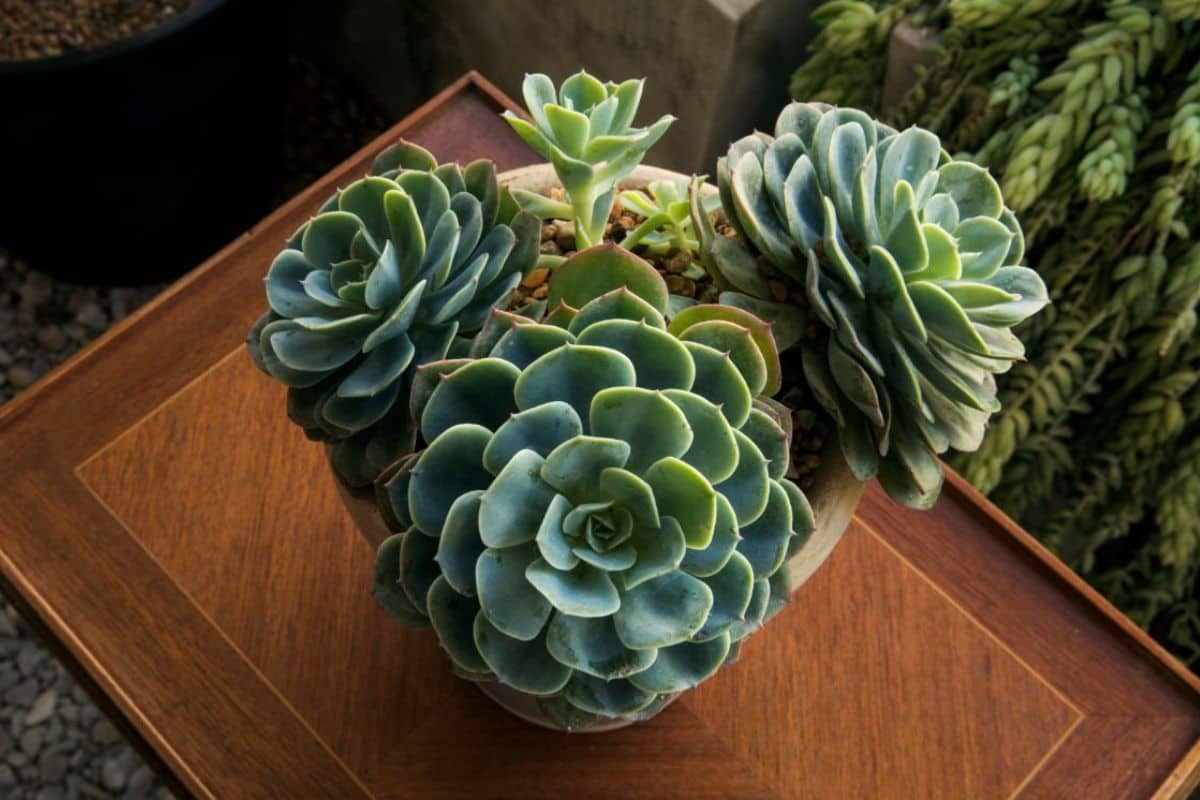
185 546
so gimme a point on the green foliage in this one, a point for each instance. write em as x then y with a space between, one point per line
600 514
383 279
668 217
912 265
586 131
1089 114
847 60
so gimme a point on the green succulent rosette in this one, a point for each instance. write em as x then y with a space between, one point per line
911 265
600 515
586 131
387 276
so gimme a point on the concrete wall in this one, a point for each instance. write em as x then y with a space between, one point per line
721 66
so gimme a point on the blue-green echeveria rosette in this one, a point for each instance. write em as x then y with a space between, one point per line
910 262
389 274
600 514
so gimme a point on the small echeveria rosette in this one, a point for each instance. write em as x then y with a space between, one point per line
388 275
600 515
911 264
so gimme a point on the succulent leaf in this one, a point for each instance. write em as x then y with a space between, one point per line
910 261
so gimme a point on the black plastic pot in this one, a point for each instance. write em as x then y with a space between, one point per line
132 162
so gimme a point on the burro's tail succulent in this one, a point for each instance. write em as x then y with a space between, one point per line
911 265
600 514
586 131
385 277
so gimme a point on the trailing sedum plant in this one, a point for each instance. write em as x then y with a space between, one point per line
910 262
1088 111
384 278
586 131
600 514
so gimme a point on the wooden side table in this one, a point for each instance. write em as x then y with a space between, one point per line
183 544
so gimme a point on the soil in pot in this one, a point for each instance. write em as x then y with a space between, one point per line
35 29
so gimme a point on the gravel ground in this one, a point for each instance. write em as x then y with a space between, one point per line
54 743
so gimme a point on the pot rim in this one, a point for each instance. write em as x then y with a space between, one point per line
534 177
104 52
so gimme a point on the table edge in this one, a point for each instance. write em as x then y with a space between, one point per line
55 633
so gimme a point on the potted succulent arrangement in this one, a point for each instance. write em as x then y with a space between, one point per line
600 419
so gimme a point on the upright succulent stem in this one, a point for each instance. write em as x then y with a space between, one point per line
586 131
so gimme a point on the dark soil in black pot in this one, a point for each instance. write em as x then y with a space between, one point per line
128 161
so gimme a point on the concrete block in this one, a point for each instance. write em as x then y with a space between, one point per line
721 66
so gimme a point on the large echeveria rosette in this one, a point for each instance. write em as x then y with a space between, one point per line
911 264
600 514
388 275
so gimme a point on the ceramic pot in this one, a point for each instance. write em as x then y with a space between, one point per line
834 494
175 132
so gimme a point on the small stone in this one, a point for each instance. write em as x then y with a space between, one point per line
778 290
31 741
540 292
105 733
35 290
50 793
678 262
8 778
8 676
121 301
5 358
536 278
550 249
140 781
51 337
28 658
53 765
677 284
92 316
17 759
627 222
549 231
43 707
565 235
5 743
76 331
20 376
91 791
112 776
23 694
